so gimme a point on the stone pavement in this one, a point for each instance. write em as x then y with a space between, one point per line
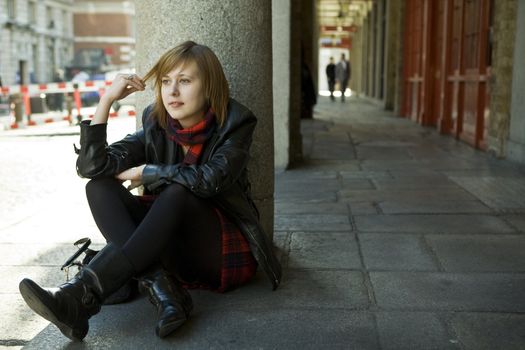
391 237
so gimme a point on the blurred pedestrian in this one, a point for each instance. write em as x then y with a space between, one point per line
330 75
343 73
195 226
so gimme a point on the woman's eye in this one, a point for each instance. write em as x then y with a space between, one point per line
184 81
165 81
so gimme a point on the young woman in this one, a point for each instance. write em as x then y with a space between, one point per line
196 225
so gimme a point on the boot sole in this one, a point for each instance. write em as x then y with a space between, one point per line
38 301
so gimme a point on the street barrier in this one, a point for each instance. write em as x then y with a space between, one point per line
19 95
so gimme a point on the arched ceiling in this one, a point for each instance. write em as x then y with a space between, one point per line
342 13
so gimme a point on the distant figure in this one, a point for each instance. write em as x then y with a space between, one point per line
342 74
330 75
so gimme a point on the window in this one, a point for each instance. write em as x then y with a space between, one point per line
49 18
11 9
32 12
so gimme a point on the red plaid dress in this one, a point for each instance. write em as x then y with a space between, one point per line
238 263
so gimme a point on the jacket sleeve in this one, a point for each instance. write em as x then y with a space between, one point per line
227 162
96 159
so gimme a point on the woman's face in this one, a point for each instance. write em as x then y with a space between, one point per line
183 95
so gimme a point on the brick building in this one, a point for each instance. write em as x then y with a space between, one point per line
104 34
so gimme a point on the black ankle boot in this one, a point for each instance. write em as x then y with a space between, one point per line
173 302
71 305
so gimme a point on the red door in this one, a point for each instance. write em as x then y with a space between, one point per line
413 57
468 71
446 66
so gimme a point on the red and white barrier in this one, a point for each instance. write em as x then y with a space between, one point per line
53 88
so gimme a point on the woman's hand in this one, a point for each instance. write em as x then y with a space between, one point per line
122 86
134 175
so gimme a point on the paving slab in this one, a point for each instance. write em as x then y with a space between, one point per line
502 193
300 173
429 291
378 152
517 221
385 164
324 250
395 253
424 206
19 323
333 151
300 289
314 196
224 329
480 253
488 331
312 186
414 330
428 194
416 182
365 174
364 208
357 184
330 165
442 224
313 222
282 207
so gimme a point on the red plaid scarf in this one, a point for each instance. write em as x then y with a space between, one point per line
194 137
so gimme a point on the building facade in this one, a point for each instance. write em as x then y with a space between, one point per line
104 35
36 39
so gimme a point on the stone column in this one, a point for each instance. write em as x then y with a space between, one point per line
392 53
379 67
240 33
286 83
356 61
500 82
516 142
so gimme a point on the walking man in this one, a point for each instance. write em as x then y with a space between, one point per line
342 74
330 75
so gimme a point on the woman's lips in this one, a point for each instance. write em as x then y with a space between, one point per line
175 104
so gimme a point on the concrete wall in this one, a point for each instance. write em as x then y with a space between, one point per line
239 31
516 142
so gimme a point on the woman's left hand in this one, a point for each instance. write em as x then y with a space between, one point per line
134 175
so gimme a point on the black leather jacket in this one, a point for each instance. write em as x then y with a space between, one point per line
221 174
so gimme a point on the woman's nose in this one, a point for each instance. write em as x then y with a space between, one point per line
175 90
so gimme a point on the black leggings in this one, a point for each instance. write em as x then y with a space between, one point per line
180 229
